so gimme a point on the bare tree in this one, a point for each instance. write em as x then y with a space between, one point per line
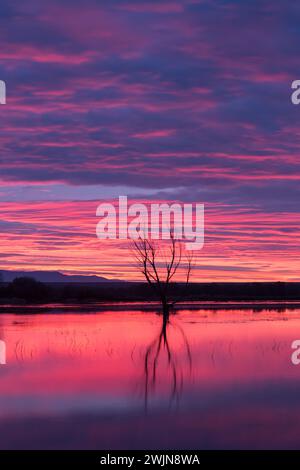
159 267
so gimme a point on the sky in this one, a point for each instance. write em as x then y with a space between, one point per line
165 100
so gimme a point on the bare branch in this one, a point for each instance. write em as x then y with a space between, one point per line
159 266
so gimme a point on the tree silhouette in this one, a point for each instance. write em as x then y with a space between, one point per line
28 289
159 266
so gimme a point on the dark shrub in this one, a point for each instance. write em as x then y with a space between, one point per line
28 289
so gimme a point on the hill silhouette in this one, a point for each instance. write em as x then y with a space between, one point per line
50 276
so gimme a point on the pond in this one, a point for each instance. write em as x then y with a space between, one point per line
209 379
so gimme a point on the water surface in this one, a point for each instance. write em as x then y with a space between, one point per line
211 379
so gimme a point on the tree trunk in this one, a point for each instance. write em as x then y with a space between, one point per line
166 308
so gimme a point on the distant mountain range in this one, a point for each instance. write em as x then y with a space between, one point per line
50 276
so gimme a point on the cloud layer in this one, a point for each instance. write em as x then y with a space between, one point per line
184 100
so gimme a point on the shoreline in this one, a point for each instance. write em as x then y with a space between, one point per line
147 306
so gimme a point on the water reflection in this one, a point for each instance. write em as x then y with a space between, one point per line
201 379
161 350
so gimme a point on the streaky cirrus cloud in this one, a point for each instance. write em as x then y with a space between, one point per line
61 235
185 99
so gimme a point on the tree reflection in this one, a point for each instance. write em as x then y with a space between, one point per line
162 352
